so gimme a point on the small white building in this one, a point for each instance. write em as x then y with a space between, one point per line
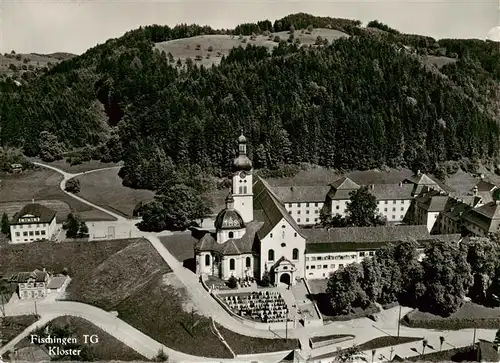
34 222
31 285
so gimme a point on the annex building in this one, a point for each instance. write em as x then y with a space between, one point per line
265 229
34 222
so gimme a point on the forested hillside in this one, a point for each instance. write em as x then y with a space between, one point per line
361 102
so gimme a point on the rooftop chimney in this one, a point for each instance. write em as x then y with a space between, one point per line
481 176
475 190
418 172
43 269
400 184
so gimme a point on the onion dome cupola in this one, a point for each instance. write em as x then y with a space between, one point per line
242 162
229 218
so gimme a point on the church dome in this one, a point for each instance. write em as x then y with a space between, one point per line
242 162
242 139
229 219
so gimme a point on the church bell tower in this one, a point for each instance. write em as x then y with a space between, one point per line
242 182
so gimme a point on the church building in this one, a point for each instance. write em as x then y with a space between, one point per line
254 233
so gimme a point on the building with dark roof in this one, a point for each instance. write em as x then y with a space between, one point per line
34 222
255 233
31 285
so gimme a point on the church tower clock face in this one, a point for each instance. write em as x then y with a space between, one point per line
243 175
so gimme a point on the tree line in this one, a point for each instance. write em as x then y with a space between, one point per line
436 283
358 103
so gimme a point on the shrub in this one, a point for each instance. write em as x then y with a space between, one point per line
73 186
232 283
277 39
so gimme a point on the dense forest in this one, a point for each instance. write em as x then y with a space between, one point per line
366 101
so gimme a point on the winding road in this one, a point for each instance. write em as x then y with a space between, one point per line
364 329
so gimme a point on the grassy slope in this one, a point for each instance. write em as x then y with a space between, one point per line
33 60
39 185
107 348
105 188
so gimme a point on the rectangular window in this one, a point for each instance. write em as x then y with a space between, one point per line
307 258
307 211
298 212
320 258
337 207
315 219
386 202
307 267
318 266
298 204
313 267
37 233
370 253
25 233
307 219
341 265
325 266
385 209
316 211
313 258
393 209
315 204
401 217
307 204
43 233
290 205
362 254
31 233
402 209
18 234
332 266
298 220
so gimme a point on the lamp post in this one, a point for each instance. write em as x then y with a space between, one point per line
399 320
286 325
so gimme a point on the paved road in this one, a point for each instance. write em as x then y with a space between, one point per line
364 329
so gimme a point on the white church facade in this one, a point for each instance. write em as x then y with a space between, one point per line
254 233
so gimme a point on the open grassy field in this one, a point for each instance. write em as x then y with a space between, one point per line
242 344
222 44
469 315
30 61
464 354
12 326
41 185
106 349
119 276
162 309
104 188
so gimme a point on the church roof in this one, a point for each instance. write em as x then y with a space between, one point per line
299 194
229 219
485 186
242 163
232 246
269 209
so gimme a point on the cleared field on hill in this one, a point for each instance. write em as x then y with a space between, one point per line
186 47
43 185
104 188
80 168
30 61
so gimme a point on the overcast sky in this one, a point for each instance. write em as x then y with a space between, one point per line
54 26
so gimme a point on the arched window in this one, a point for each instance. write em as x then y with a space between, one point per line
207 260
245 189
241 189
248 262
231 264
231 234
295 254
270 255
